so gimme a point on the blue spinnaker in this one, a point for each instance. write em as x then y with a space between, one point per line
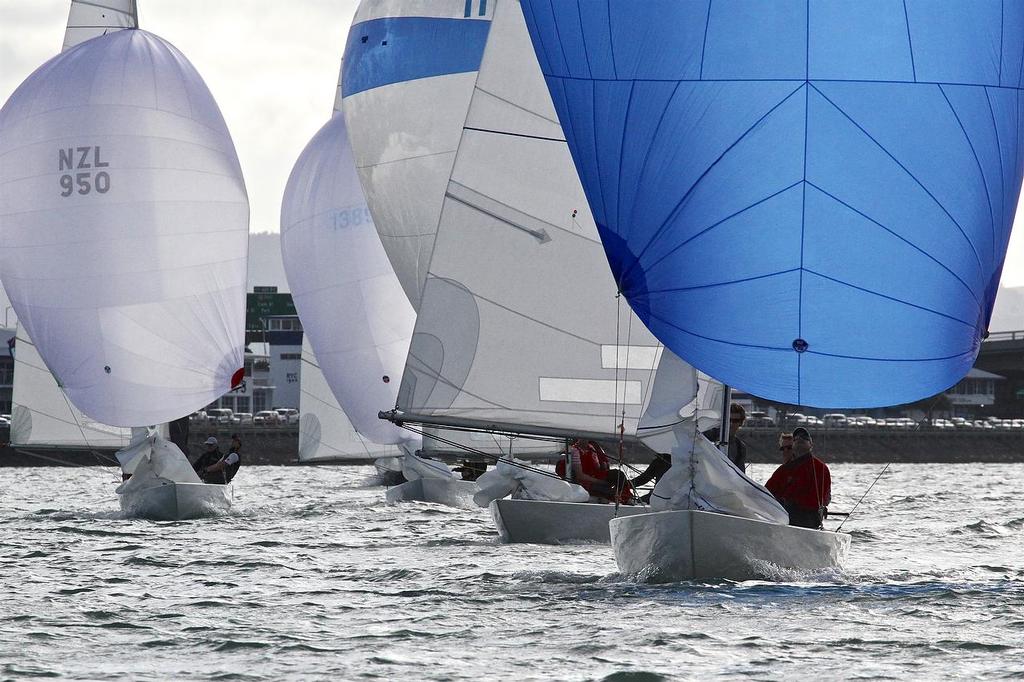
809 200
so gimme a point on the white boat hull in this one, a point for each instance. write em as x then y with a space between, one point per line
454 493
555 523
670 546
170 501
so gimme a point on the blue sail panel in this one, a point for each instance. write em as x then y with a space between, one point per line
810 201
370 61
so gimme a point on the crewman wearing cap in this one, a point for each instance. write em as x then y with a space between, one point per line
803 485
210 456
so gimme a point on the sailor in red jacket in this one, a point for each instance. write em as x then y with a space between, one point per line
803 484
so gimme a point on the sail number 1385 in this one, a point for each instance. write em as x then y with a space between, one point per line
86 178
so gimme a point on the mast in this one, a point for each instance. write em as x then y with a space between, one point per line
723 429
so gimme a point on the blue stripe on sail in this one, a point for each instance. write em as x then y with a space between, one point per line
399 49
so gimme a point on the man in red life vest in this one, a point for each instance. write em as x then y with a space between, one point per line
590 469
802 484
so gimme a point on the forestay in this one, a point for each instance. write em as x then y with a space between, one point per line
88 19
519 327
124 223
808 201
353 310
325 432
408 74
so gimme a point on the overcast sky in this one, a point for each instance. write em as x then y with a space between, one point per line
272 66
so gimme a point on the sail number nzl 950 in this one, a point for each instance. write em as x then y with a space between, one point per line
86 177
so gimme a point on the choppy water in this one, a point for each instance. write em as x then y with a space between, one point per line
312 576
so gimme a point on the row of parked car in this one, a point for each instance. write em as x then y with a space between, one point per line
280 416
987 424
857 421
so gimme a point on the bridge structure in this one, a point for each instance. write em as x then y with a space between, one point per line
1002 353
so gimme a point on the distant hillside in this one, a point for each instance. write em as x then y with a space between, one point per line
1009 312
265 265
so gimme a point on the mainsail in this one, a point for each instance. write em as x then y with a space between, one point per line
42 416
125 224
325 432
808 201
88 19
409 70
519 327
354 312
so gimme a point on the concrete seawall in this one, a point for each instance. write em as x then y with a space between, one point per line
279 445
895 445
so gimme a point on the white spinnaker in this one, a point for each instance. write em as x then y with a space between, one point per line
404 133
124 229
43 416
325 433
88 19
519 325
353 310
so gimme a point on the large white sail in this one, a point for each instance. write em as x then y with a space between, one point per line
325 432
124 229
42 416
88 19
353 310
409 71
519 325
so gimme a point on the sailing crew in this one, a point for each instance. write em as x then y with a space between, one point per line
737 448
471 470
588 466
658 467
803 484
225 468
786 446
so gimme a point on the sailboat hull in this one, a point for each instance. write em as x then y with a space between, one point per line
453 493
170 501
555 523
695 545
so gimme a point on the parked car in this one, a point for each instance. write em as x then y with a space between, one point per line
835 420
243 418
289 415
198 417
5 421
759 419
266 418
219 415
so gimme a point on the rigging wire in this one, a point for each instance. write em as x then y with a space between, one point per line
850 513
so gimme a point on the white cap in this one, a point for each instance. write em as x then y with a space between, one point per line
210 441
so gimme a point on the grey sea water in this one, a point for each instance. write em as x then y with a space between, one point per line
312 576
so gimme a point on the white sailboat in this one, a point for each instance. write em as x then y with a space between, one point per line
326 435
819 216
125 224
357 320
518 329
42 416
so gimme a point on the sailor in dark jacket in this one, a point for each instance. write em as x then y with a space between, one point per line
737 448
224 469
